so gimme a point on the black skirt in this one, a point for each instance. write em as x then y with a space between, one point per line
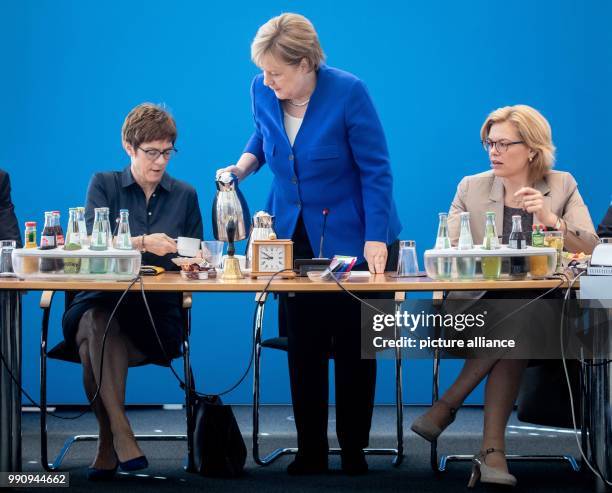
134 322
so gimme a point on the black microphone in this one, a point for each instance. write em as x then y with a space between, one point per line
325 213
305 265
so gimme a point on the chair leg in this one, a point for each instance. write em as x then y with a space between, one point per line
445 459
189 389
399 402
433 456
57 462
279 452
44 458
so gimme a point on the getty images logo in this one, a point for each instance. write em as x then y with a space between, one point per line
411 321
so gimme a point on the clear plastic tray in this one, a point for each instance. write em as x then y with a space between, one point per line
70 265
501 263
317 276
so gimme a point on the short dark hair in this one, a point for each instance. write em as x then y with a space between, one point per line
148 122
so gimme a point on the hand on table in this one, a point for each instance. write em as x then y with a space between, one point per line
375 253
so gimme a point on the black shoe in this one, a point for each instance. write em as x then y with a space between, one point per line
135 464
354 462
94 474
302 466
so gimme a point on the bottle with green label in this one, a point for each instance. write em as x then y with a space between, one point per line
537 237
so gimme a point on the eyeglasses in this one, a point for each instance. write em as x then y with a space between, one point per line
500 146
153 154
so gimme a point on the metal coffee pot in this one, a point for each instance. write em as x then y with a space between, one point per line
229 205
230 217
263 227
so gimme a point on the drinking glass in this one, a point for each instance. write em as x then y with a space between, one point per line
6 261
212 252
407 263
554 239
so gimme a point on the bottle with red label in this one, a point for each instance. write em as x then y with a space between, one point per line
48 242
59 232
59 239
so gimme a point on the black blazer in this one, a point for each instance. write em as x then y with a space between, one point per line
605 228
9 229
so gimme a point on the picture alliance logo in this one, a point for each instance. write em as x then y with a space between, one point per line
412 321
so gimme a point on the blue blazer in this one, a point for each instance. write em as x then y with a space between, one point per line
339 161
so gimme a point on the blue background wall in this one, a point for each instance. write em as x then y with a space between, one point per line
72 70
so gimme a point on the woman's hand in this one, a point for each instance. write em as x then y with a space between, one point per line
534 203
159 244
232 169
244 167
375 252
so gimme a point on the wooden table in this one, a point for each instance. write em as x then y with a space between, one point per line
11 327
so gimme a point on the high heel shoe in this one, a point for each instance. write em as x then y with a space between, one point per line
426 428
135 464
488 474
95 474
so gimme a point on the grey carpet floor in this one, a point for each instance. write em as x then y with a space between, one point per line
414 474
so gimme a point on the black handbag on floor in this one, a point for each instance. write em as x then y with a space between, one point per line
544 397
218 446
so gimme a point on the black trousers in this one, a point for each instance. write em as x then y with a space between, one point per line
320 326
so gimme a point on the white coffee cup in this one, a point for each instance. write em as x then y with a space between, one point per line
187 247
241 261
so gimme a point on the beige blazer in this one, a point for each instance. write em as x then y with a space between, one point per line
484 192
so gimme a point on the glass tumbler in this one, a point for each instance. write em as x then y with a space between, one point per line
212 251
407 263
6 260
554 239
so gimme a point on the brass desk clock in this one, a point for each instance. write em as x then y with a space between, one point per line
270 256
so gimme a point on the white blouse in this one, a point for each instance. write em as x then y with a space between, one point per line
292 126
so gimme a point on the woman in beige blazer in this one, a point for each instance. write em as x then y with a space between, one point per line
521 182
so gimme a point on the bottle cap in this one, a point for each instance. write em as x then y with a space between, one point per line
30 224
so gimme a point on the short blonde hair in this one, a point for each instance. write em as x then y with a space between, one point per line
289 37
533 128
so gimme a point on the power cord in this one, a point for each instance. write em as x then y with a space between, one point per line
106 331
175 374
514 312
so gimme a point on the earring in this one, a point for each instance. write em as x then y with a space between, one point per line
530 159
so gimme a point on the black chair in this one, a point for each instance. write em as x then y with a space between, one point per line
58 353
280 343
439 464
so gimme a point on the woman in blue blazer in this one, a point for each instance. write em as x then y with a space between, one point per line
318 131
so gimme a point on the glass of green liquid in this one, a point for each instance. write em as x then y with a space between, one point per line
554 239
491 267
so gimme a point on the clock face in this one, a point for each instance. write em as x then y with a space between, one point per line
271 258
